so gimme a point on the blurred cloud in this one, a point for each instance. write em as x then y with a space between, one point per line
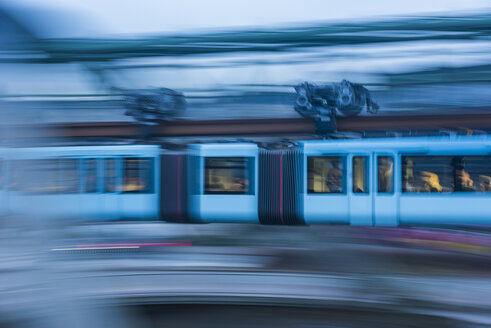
153 16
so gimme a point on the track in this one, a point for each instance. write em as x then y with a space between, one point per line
237 127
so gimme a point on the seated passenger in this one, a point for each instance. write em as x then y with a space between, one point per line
334 178
484 183
432 182
238 185
385 174
132 184
463 180
410 185
409 182
357 189
216 185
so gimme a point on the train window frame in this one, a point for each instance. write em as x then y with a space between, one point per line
249 175
83 175
366 174
471 176
442 193
29 168
394 171
117 175
453 156
13 176
343 158
76 189
150 174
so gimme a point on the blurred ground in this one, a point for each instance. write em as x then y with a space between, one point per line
246 274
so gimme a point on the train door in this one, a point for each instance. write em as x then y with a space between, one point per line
385 195
360 189
325 196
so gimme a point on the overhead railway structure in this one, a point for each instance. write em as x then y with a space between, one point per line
288 127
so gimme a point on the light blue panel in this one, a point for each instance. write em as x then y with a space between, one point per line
139 206
221 208
91 205
385 210
360 210
473 208
195 208
229 208
327 208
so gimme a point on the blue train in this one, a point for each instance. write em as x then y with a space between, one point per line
362 182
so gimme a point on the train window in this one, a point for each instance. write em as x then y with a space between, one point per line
472 173
325 174
427 174
138 175
47 176
90 175
110 175
360 174
67 176
228 175
40 176
14 176
385 174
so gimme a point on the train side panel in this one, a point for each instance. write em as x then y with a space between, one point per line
223 184
414 181
441 209
88 183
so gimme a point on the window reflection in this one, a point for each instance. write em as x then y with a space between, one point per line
138 175
228 175
385 174
446 173
325 174
110 175
427 174
90 175
360 175
44 176
14 175
67 176
472 173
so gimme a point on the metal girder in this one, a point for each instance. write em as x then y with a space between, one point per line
287 127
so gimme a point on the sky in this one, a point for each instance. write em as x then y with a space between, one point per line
132 17
100 18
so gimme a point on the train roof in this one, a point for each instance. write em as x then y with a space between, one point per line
129 150
455 143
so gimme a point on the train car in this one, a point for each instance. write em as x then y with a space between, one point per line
362 182
402 181
223 182
92 183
